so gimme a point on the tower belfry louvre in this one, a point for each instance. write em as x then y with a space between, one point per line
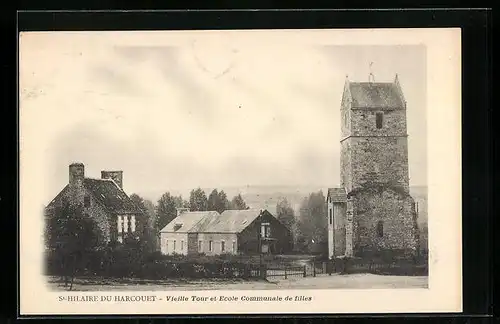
372 210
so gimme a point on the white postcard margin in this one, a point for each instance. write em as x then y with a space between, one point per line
444 196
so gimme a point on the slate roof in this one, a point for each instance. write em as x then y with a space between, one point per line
188 220
337 195
107 192
230 221
375 95
112 197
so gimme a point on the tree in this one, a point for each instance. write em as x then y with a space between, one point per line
213 200
165 210
285 213
198 200
149 236
217 201
237 203
180 202
153 235
223 202
71 236
312 224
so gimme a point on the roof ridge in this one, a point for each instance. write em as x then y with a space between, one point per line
369 82
122 196
99 179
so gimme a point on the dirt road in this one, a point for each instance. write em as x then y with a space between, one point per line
335 281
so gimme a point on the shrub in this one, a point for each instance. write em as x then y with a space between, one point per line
124 260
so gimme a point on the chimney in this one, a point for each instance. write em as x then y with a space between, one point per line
181 210
116 176
76 174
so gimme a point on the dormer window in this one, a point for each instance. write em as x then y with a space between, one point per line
379 119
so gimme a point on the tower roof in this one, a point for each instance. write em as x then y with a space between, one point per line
376 95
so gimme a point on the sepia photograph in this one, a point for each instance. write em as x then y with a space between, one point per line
161 163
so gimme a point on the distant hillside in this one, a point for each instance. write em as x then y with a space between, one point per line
266 197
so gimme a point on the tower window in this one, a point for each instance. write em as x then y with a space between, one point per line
86 201
380 229
379 119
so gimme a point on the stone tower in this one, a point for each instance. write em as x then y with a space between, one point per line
374 140
378 213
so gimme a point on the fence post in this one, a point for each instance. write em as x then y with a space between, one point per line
324 266
305 271
314 269
285 272
263 271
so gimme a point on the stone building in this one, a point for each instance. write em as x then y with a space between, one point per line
372 211
232 232
104 201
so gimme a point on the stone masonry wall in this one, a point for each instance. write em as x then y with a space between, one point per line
395 210
371 154
216 239
192 243
345 112
167 243
378 159
345 164
95 211
363 122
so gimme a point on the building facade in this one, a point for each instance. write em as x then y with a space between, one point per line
232 232
372 211
104 201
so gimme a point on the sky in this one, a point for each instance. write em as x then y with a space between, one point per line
178 111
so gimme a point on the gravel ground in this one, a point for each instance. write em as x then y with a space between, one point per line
335 281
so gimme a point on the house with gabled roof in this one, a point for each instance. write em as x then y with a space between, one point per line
231 232
103 200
